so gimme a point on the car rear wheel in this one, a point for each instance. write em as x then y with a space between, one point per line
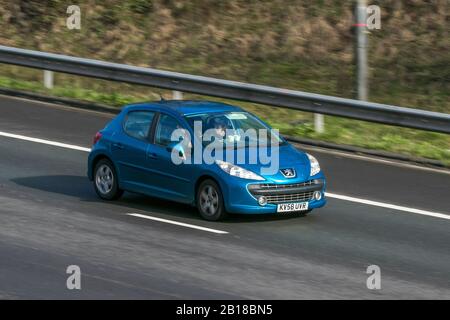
105 181
210 201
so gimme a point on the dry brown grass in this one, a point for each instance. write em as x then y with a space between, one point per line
306 45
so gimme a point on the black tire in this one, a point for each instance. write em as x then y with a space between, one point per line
107 168
216 209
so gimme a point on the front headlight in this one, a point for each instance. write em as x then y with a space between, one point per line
315 167
237 171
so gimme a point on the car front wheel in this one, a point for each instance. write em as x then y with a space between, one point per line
210 201
105 181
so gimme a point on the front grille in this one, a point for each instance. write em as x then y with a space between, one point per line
281 193
273 186
295 197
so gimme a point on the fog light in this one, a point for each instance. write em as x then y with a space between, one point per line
317 195
262 201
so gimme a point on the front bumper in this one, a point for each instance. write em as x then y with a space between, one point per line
243 198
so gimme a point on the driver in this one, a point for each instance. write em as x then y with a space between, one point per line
220 128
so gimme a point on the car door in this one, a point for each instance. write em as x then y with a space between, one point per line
173 181
129 150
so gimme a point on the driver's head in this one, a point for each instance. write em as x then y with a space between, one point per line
220 127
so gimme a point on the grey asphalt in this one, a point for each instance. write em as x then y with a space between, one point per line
50 218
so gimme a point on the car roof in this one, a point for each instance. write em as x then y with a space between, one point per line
184 107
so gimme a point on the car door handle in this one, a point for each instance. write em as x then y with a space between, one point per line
152 155
118 145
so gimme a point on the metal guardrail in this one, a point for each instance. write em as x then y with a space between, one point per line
298 100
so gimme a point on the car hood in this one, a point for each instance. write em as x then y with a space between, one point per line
269 167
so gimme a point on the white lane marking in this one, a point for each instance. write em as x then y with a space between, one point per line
331 195
43 141
187 225
389 206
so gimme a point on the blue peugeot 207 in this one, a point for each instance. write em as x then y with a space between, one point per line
214 156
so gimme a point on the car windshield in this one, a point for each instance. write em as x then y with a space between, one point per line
233 128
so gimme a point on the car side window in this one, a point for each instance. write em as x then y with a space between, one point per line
138 123
166 125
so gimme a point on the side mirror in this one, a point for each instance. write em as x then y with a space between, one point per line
170 146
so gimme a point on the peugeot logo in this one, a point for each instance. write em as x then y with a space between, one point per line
288 173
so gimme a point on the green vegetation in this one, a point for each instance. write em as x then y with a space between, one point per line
303 45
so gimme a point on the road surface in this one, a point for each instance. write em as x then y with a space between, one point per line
50 218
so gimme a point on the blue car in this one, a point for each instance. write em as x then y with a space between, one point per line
206 154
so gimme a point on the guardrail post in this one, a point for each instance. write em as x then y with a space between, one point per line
177 95
48 79
319 126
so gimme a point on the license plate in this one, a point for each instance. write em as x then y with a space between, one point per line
295 206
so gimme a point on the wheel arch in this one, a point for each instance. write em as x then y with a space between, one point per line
94 162
199 182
